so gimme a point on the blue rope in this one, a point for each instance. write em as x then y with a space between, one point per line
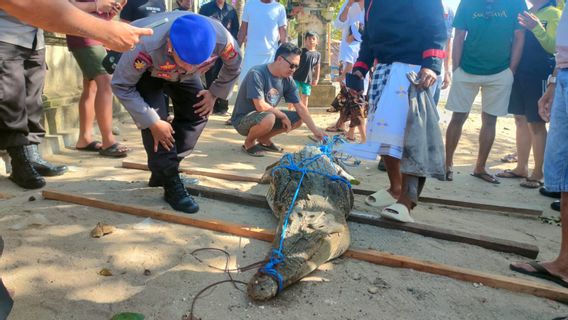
326 149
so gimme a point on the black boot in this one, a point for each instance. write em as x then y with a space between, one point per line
157 181
23 173
175 193
43 167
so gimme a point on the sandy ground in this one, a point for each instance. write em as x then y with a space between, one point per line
51 263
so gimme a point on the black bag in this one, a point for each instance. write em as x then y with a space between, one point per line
111 60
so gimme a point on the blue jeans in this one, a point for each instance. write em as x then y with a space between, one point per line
556 152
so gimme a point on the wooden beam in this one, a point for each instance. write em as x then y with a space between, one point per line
164 215
502 245
213 173
519 210
372 256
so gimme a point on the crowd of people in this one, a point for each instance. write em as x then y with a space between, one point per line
395 58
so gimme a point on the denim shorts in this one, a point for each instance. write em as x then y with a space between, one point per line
556 153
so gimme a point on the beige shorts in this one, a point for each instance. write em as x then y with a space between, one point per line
495 92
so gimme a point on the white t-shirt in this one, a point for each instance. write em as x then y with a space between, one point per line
264 20
347 52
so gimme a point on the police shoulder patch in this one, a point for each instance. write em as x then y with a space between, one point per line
142 61
228 52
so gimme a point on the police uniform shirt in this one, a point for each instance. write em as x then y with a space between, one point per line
152 56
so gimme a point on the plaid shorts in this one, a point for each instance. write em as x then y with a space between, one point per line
245 123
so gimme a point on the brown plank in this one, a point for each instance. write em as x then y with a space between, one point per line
463 274
497 244
213 173
163 215
372 256
517 211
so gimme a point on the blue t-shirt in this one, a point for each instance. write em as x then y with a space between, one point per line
259 83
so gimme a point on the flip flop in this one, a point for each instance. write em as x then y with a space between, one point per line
540 272
114 151
254 151
397 212
509 174
510 158
380 199
333 129
92 147
271 147
449 175
486 177
531 183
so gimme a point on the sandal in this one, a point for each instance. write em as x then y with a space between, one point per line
397 212
271 147
510 158
334 129
94 146
509 174
254 151
116 151
486 177
449 175
531 183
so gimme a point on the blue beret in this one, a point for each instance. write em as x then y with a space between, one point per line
193 38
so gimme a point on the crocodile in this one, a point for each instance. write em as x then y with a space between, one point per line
316 229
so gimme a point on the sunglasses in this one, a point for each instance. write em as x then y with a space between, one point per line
293 66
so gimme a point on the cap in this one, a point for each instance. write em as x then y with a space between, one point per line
193 38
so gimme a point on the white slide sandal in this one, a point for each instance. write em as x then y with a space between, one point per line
380 199
398 212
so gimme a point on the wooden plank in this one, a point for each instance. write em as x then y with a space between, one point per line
213 173
463 274
519 210
163 215
497 244
372 256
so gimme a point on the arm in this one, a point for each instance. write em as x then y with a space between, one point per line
545 36
242 36
61 16
517 52
231 55
316 78
448 64
283 34
457 48
344 13
306 117
433 32
545 102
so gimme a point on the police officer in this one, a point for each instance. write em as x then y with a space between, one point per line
184 45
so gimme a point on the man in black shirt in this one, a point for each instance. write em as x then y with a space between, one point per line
225 13
138 9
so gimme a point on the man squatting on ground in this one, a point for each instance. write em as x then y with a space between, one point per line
256 116
403 37
171 61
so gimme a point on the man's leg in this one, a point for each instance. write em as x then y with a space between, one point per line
395 178
523 142
486 138
453 135
262 130
538 132
103 110
86 113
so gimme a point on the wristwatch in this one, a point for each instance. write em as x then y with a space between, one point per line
551 80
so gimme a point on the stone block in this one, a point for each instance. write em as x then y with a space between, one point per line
322 95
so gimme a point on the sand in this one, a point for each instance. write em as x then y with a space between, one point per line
52 266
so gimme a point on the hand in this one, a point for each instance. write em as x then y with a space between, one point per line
314 83
358 73
162 132
427 78
204 107
447 80
528 20
545 102
513 70
286 123
319 134
106 6
207 65
120 36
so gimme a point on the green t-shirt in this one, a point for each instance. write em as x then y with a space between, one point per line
490 27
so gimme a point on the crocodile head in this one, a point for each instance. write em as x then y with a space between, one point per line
262 287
